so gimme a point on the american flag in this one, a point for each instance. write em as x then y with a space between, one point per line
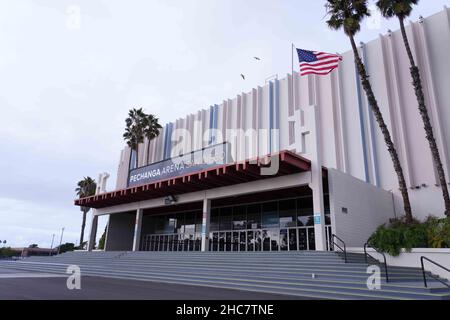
314 62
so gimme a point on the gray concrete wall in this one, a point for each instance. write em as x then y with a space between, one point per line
120 232
367 207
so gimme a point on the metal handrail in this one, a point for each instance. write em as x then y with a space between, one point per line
366 254
344 250
430 274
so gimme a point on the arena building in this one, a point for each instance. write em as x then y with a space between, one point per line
290 163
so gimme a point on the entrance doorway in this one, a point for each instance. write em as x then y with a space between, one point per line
286 239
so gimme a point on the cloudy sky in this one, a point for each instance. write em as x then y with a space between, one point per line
70 70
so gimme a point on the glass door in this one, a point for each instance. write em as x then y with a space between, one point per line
266 240
228 235
302 239
242 241
250 241
215 241
222 241
284 240
311 239
235 244
274 235
258 240
293 246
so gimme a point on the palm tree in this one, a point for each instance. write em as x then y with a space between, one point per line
86 188
151 131
134 130
347 15
140 125
402 9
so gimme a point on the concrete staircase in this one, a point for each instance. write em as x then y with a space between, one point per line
321 275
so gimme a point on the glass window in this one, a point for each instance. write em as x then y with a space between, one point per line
326 203
225 218
150 224
270 215
179 222
198 221
214 220
254 216
239 217
288 214
305 211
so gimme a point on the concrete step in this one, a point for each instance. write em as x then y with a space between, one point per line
348 290
345 269
275 272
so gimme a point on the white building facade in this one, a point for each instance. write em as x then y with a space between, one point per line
333 171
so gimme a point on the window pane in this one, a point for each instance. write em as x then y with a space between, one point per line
214 222
239 217
254 216
305 211
225 218
270 215
288 214
180 223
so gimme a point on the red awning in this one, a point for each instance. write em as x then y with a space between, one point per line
225 175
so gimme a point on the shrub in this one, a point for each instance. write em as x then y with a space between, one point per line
391 238
438 232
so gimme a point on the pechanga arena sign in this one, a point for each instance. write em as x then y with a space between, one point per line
188 163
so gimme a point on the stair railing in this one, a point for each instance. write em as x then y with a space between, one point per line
334 243
430 274
366 254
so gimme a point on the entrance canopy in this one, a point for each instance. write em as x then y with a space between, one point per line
224 175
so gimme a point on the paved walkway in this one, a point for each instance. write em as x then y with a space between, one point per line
16 284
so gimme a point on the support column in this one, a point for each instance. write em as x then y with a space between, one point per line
205 224
93 233
137 230
316 180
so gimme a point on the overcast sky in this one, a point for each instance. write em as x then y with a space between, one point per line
71 69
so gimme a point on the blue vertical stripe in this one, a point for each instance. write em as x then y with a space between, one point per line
169 140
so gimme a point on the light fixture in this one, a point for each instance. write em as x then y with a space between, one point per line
170 200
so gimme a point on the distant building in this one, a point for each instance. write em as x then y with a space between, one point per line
28 252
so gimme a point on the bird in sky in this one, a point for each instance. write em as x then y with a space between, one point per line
256 58
243 77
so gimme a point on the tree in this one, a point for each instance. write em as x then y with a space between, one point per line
101 242
402 9
68 246
139 125
8 253
152 129
85 188
348 15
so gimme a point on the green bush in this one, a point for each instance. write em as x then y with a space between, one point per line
7 252
438 232
391 238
